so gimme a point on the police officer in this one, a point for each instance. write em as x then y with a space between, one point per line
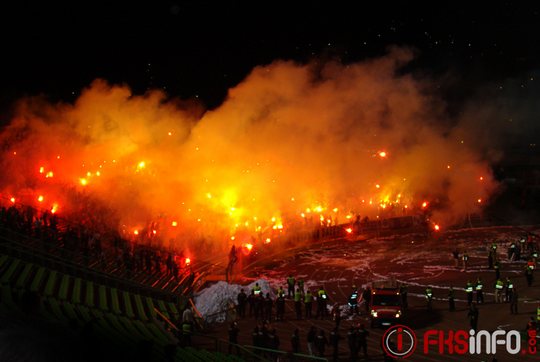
322 300
280 291
479 292
451 301
290 285
308 303
301 285
298 303
429 297
469 291
499 285
256 289
529 274
353 301
497 268
508 290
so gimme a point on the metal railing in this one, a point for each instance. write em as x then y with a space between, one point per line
18 250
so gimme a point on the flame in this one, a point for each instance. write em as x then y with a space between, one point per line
436 227
40 198
143 160
348 230
187 261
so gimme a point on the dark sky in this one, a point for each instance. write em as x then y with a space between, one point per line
198 48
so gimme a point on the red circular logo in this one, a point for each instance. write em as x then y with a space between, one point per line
399 341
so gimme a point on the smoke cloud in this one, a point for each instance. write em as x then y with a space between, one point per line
291 143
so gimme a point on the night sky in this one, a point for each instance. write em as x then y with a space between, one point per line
200 49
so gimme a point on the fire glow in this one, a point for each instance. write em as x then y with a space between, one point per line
288 148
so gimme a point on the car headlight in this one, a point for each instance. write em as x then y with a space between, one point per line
398 315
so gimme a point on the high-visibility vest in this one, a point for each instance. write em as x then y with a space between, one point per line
308 298
186 328
538 313
509 284
465 257
322 294
290 281
281 292
530 265
469 288
429 293
297 296
499 284
479 286
257 289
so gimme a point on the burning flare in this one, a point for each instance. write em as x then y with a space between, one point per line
290 148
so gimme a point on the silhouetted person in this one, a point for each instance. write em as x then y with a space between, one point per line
295 341
233 337
242 300
362 333
514 302
311 336
473 316
321 342
334 342
352 341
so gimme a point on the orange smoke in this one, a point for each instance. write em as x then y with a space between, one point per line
291 146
